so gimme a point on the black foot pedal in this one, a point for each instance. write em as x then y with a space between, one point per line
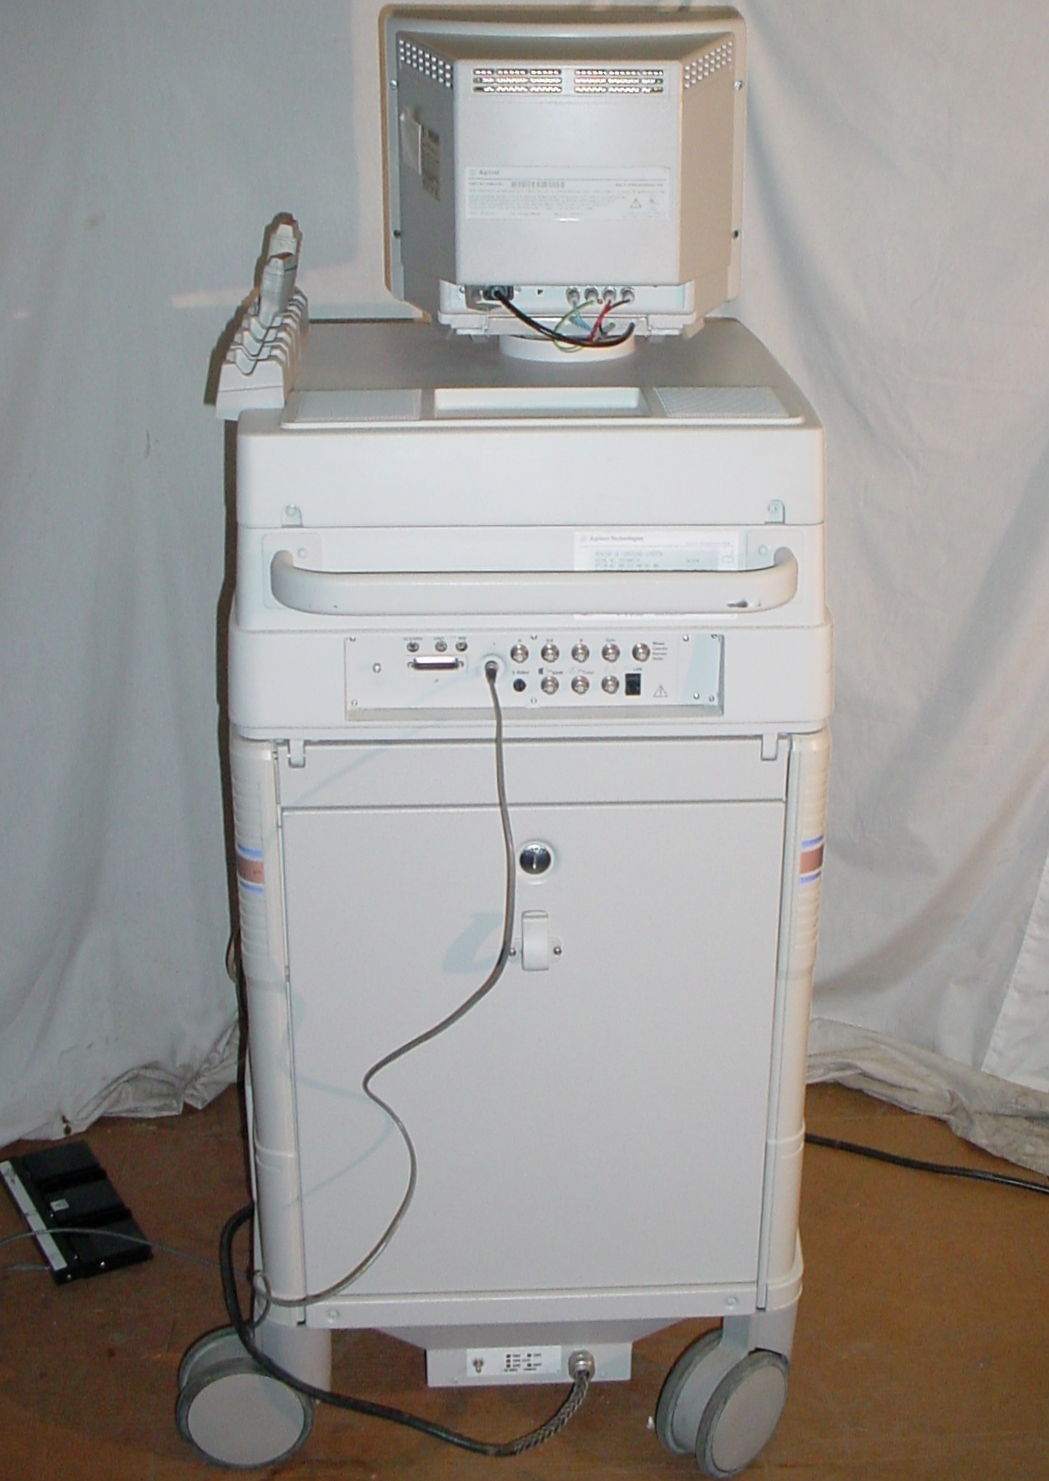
66 1188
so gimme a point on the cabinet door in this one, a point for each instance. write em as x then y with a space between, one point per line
595 1122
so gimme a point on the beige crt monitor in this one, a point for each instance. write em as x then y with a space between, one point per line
558 157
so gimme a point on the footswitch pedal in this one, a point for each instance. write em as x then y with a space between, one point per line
75 1214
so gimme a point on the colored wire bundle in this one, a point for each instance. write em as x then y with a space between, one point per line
595 339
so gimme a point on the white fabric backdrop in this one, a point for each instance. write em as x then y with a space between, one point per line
897 261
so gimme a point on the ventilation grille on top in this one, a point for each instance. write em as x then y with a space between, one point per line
723 403
509 79
544 79
619 80
698 69
421 59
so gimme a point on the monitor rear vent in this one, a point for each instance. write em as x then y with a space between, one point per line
709 61
619 80
421 59
493 79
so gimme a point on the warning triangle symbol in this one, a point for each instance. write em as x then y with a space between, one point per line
660 693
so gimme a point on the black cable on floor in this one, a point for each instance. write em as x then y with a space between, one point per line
557 1421
897 1159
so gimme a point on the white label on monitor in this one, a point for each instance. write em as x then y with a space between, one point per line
657 550
567 195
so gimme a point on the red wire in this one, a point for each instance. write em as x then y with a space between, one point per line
602 316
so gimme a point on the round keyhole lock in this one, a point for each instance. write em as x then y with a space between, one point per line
535 858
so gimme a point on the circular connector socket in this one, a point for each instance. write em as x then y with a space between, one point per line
581 1364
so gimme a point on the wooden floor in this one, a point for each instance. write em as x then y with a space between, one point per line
922 1351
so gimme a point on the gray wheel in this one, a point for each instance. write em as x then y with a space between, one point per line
219 1345
687 1391
234 1414
742 1414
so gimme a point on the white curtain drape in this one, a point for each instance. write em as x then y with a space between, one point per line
899 264
896 260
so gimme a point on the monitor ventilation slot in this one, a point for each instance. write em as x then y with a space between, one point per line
603 80
493 79
715 59
429 63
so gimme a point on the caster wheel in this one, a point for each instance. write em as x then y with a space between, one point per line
220 1345
688 1389
232 1413
742 1414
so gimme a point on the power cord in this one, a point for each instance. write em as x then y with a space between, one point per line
602 341
897 1159
491 673
580 1364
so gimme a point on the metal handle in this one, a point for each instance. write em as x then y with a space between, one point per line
491 593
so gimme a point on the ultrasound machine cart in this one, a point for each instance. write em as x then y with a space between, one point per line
529 674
